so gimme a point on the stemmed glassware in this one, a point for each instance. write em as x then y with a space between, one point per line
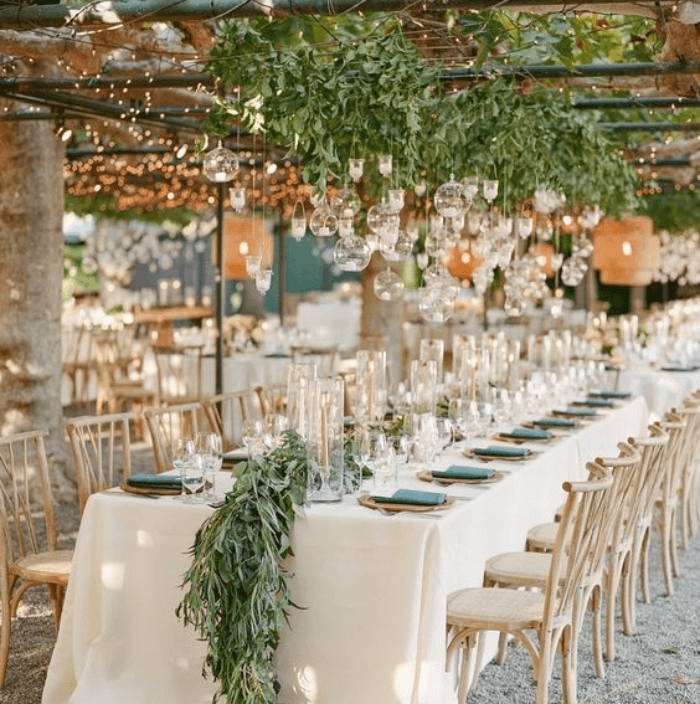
253 437
189 464
372 453
208 447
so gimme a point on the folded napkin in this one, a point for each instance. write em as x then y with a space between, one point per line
579 411
610 394
277 355
154 481
555 422
235 455
528 434
595 403
455 472
413 497
679 368
496 451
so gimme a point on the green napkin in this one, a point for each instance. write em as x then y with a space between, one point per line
413 497
528 434
679 368
555 422
595 403
154 481
502 451
579 412
236 455
610 394
455 472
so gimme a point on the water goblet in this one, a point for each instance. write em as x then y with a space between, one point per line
252 436
372 449
208 446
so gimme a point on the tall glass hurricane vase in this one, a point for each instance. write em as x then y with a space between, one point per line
371 386
326 441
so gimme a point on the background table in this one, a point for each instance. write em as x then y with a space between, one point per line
374 587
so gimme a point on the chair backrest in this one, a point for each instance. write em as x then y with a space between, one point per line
167 425
653 448
691 412
226 413
626 473
101 451
179 373
325 358
271 398
24 485
677 429
583 520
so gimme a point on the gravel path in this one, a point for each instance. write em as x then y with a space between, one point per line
658 665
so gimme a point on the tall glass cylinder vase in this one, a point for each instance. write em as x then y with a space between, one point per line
300 378
424 385
513 365
433 349
461 345
466 376
371 401
325 443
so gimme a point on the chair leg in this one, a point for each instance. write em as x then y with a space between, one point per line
627 584
673 544
568 666
663 529
597 631
543 669
465 668
5 626
644 566
612 584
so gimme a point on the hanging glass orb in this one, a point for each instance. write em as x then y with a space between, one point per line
590 217
253 262
436 303
450 199
357 167
396 199
386 165
514 307
437 246
346 203
436 273
352 253
582 247
525 226
420 189
455 224
220 165
490 190
572 272
403 247
298 221
323 222
388 286
263 280
237 198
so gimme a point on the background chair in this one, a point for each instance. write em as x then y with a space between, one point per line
101 451
226 414
179 373
29 554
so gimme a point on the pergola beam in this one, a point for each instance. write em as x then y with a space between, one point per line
96 15
650 126
633 103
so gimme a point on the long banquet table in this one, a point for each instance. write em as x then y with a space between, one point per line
374 587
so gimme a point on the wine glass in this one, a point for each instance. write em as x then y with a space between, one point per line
444 433
252 436
372 449
189 464
208 446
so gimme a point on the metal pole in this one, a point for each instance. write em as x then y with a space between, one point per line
281 268
634 103
220 288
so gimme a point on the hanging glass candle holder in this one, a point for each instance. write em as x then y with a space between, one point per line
252 264
471 187
403 247
298 221
420 189
220 164
346 203
237 197
388 286
455 224
490 190
386 165
435 273
396 199
346 227
450 199
436 303
437 246
352 253
556 260
263 280
323 222
372 240
525 226
356 169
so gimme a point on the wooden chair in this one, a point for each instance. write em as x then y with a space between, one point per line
78 361
114 391
26 558
101 449
168 424
687 490
541 539
654 449
667 498
272 398
549 613
325 358
179 373
226 413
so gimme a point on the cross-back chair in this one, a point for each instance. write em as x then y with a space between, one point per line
687 490
28 545
179 373
226 414
166 425
548 613
78 362
325 358
101 449
271 398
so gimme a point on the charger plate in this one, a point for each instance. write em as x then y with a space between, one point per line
152 490
524 441
490 458
367 501
427 476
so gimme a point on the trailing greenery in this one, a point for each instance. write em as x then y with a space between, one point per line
674 212
237 597
327 102
101 205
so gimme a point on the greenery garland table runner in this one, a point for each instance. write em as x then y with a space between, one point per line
373 587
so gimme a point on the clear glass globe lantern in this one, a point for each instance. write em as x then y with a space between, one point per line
490 190
388 286
220 165
323 222
237 196
263 280
451 200
352 253
356 169
346 203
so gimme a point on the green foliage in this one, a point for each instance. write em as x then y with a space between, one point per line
237 596
674 212
75 278
101 205
330 101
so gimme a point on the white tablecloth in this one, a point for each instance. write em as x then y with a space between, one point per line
374 587
662 390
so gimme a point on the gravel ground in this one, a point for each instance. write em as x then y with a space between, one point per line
643 673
